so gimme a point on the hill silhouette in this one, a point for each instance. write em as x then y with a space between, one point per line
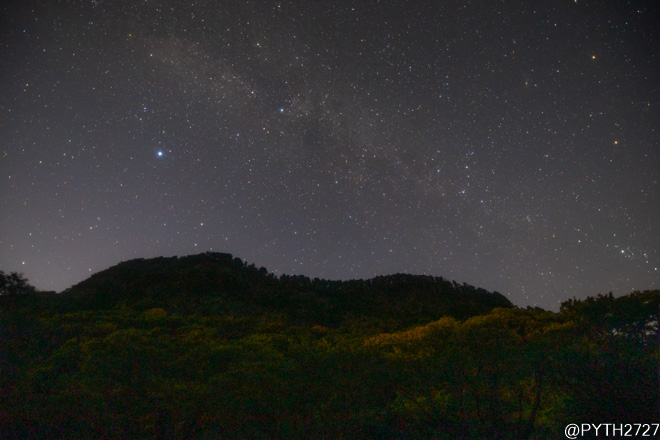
221 283
208 346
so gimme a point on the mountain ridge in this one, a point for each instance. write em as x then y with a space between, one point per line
209 346
220 282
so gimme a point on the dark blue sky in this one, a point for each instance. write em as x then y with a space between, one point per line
511 145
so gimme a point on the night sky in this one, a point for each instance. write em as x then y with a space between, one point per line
512 145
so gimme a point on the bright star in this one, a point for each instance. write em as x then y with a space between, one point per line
159 153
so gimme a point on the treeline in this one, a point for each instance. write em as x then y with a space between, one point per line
145 367
221 283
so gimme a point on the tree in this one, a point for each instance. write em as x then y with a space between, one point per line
14 284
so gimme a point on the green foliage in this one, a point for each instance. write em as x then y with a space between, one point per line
273 362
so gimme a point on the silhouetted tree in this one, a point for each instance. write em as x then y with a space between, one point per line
14 284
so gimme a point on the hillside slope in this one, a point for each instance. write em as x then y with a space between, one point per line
220 283
209 347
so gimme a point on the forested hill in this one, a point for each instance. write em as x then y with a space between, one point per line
221 283
208 346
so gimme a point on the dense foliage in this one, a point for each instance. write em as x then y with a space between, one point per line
14 284
212 348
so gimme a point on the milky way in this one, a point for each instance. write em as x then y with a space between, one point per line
510 145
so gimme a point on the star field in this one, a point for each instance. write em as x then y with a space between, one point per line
510 145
